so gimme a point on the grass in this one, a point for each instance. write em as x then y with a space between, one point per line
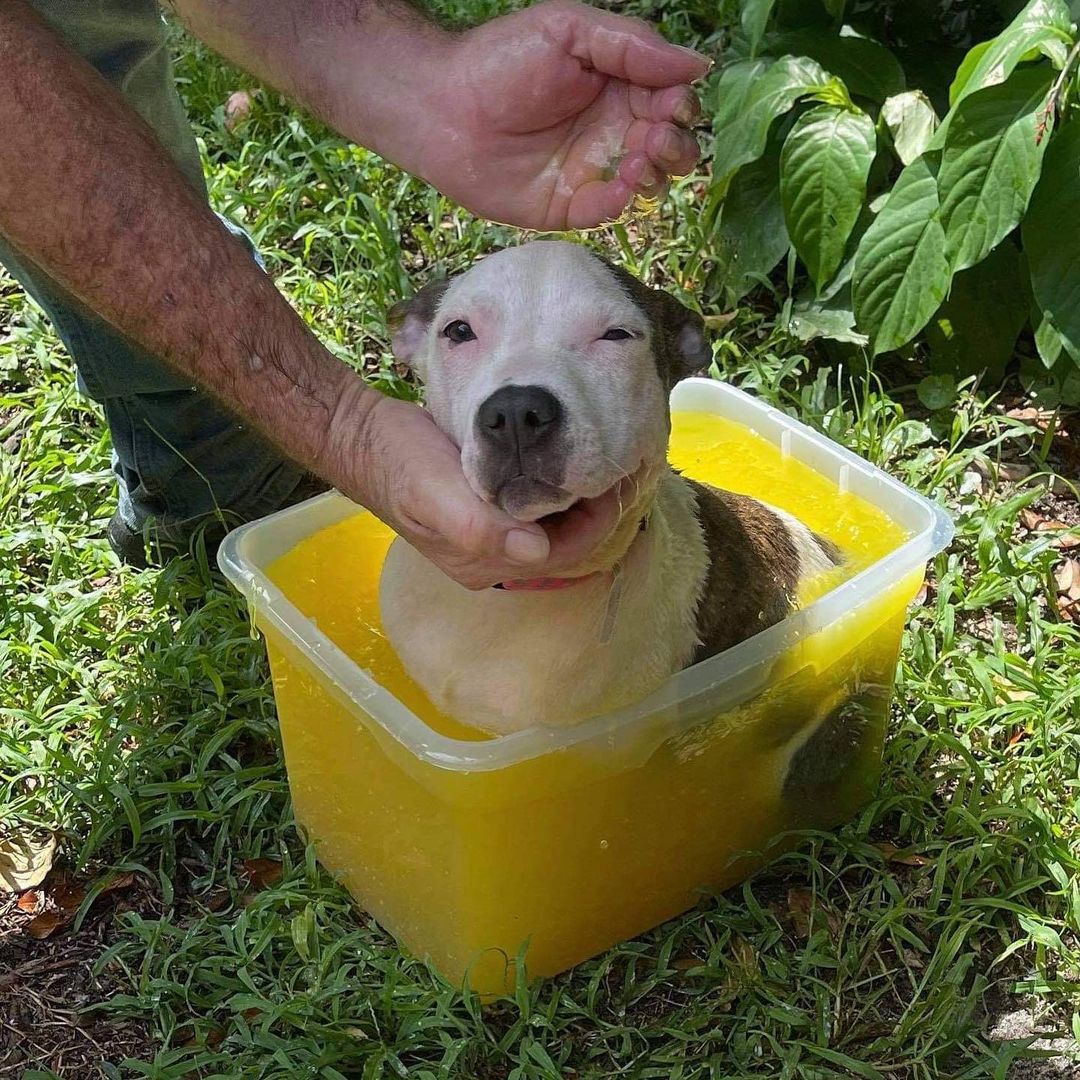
932 937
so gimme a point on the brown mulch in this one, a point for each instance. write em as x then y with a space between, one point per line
49 990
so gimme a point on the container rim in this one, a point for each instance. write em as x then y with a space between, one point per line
268 604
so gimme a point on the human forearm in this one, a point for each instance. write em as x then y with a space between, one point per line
87 193
375 70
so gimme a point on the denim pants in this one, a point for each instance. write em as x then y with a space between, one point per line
177 454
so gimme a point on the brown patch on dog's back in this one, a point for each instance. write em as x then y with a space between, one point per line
753 569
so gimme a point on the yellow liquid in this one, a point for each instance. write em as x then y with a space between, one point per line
583 848
704 446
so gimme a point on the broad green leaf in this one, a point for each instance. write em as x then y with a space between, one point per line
823 169
1040 22
733 88
754 17
833 319
937 391
1051 233
760 92
977 326
990 164
901 273
795 13
911 121
868 69
842 280
1049 341
753 238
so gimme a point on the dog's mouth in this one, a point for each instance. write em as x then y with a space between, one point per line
558 509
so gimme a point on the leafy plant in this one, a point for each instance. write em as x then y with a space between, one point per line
926 181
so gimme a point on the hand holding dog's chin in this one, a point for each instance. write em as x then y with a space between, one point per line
409 473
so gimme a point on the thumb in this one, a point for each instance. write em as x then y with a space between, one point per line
448 506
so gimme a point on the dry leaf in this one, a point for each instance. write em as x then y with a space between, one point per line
238 108
29 902
800 905
685 963
262 873
1031 520
1014 471
892 854
25 862
47 923
216 900
718 322
1069 609
1067 577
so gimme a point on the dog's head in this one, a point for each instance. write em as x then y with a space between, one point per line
551 370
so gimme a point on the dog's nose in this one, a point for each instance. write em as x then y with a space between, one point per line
519 417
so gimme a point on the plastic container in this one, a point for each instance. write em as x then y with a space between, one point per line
569 841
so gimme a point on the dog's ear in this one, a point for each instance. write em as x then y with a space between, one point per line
679 342
681 347
409 320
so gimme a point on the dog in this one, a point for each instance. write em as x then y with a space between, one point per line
550 368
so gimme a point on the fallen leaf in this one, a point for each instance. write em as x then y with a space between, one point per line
25 862
913 960
67 893
1014 471
685 963
1067 577
29 902
216 900
47 923
262 873
1069 609
238 108
921 595
800 906
718 322
892 854
1067 537
121 881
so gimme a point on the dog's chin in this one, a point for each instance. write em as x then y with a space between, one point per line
527 499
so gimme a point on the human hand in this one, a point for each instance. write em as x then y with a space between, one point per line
409 474
557 116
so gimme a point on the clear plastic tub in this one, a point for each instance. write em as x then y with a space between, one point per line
569 841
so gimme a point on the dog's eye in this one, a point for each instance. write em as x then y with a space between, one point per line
459 331
616 333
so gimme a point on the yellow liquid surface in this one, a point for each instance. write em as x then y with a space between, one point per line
333 576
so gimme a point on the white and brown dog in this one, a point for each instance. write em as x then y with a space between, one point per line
551 370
